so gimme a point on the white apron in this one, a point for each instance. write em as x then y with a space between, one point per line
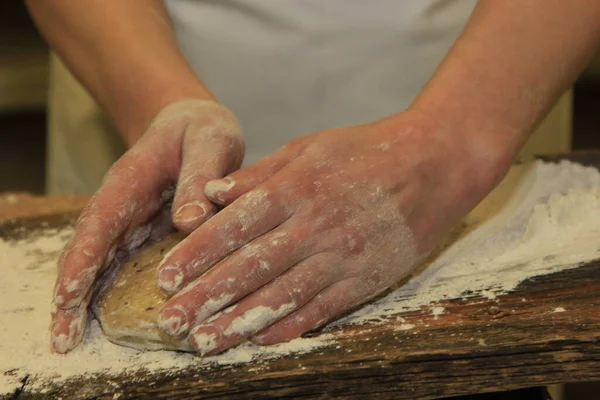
285 68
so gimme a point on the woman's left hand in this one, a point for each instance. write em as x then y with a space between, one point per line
322 225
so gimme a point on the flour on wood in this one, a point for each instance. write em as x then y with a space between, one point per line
543 219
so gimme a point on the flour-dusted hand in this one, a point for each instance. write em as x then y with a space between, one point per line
324 224
188 143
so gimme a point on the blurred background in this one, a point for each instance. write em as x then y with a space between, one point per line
23 87
23 91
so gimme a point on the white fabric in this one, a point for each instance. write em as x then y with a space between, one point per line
286 68
292 67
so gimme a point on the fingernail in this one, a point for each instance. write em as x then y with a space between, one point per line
62 342
190 212
170 279
203 342
173 321
213 188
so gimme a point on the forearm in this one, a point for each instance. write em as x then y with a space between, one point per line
124 52
508 67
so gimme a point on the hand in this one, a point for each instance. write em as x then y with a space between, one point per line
189 143
324 224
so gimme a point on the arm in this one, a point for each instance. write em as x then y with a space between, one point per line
511 63
368 203
124 52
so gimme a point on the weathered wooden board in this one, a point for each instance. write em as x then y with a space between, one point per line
478 345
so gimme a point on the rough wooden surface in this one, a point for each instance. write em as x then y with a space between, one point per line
23 205
477 345
517 340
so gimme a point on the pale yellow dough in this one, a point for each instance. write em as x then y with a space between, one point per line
128 303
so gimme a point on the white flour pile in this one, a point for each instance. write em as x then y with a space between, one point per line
549 223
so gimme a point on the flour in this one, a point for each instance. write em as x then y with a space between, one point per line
437 311
550 222
260 315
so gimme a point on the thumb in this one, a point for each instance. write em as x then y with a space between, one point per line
212 146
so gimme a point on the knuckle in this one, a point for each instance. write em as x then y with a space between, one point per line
261 272
256 273
374 281
190 188
322 306
258 261
292 288
279 241
296 145
262 204
320 151
212 292
126 167
329 217
258 199
301 239
307 187
216 121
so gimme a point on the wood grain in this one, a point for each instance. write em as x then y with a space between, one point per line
478 345
24 205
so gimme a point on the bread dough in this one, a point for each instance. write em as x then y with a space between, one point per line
129 300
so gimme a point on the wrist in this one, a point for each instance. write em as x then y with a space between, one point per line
485 143
466 159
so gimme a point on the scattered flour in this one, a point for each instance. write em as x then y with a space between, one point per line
550 222
543 218
437 311
28 272
404 327
262 315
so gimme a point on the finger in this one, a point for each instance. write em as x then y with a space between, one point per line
263 307
130 195
255 213
225 191
68 327
241 273
212 147
330 303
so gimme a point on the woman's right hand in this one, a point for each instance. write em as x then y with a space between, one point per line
159 183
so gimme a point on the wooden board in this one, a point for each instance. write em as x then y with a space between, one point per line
23 205
478 345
